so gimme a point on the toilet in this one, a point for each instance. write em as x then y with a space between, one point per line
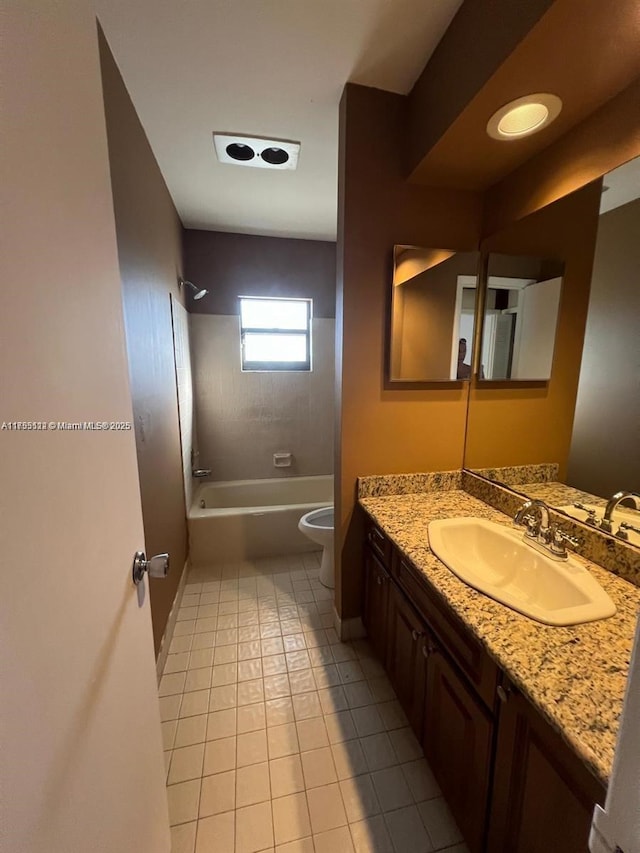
317 525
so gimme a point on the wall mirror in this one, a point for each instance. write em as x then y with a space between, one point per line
433 297
520 317
576 441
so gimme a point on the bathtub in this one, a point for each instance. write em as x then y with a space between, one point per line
247 519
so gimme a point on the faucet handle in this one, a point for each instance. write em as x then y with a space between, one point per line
622 530
530 522
591 513
560 540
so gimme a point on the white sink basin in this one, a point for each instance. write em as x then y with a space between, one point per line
620 513
496 561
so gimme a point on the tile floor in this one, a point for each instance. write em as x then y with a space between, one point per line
279 737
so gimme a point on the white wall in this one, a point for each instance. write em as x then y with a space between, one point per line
244 418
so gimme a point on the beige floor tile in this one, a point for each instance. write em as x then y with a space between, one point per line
183 838
221 724
186 763
170 707
205 625
249 650
326 676
367 720
251 718
254 828
223 698
279 711
251 748
250 692
167 762
177 663
359 797
272 646
252 785
391 788
169 734
302 681
439 822
371 836
290 818
224 654
197 679
298 660
191 730
194 703
216 833
303 845
274 665
312 734
282 740
172 684
378 751
333 699
334 841
286 776
183 801
405 745
293 642
218 793
358 693
200 658
181 629
340 726
392 715
225 673
249 670
205 640
219 756
407 831
306 706
318 768
326 809
185 613
181 644
380 689
276 686
421 781
349 759
343 652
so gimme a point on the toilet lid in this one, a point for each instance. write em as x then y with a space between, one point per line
321 518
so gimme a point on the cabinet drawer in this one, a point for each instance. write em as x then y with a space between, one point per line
379 543
462 647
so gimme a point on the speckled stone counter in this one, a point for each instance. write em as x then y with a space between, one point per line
575 676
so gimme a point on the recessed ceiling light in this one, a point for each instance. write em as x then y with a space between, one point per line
524 116
256 151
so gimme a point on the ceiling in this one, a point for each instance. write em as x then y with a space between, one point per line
273 68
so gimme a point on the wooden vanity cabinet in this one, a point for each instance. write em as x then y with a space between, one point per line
512 783
376 603
408 640
457 740
543 795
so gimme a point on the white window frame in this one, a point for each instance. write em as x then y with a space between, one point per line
269 366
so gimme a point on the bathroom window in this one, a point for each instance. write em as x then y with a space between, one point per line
275 334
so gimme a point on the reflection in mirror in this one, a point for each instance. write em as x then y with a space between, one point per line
520 317
604 453
432 314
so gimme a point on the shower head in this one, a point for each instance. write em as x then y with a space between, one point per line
199 293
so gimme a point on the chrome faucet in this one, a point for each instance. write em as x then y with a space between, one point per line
613 502
540 534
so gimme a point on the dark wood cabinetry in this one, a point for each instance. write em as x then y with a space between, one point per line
512 783
543 796
407 648
457 740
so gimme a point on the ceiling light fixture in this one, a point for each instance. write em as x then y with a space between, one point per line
256 151
524 116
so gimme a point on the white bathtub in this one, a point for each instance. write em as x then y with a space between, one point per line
247 519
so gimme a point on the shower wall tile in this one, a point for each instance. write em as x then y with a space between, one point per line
244 418
184 384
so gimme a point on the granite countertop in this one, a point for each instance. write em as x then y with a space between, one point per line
575 676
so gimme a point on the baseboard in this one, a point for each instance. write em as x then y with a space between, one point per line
348 629
171 624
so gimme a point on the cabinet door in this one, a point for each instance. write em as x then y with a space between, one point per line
543 796
406 663
376 596
457 737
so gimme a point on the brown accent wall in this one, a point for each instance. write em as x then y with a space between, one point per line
381 430
149 236
232 265
605 448
520 423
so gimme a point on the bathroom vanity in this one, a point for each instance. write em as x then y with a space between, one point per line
517 719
